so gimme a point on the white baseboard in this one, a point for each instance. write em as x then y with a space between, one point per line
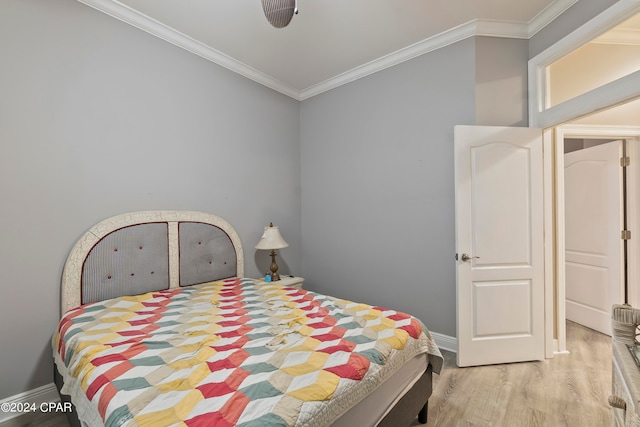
445 342
46 393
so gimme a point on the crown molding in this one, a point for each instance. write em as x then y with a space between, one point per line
477 27
504 29
143 22
420 48
548 14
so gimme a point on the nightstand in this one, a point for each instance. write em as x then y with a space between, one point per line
288 281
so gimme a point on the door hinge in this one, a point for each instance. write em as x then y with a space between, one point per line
625 235
624 161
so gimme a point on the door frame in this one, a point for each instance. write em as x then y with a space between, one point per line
556 143
541 115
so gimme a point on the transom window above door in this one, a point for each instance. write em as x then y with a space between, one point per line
594 67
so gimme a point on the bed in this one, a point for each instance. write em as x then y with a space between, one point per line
160 327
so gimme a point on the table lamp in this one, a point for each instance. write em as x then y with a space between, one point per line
272 240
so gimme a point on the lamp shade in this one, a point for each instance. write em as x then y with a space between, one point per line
271 239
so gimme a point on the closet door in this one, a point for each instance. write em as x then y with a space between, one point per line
593 241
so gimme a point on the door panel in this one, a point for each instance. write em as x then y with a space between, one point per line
593 223
499 221
493 303
501 231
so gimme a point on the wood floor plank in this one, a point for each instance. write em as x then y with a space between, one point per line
570 390
38 419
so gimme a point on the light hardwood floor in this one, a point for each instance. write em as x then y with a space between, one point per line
569 390
37 419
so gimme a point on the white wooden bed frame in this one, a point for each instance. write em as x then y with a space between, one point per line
73 268
413 402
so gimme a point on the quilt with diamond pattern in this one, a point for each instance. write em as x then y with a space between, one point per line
231 352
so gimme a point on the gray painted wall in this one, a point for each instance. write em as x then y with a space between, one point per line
98 118
377 174
501 82
359 179
377 185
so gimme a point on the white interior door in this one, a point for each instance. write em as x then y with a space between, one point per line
593 224
499 224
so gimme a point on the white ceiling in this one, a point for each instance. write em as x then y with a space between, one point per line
330 42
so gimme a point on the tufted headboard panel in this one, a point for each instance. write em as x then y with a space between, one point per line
134 257
206 253
140 252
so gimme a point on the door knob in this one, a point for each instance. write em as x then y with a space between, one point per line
466 257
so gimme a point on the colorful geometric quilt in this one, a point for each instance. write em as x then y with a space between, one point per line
227 353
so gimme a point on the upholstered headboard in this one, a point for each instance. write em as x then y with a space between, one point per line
140 252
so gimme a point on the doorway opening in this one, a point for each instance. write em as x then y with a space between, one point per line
602 274
595 231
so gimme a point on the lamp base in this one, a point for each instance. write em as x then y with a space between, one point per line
274 267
